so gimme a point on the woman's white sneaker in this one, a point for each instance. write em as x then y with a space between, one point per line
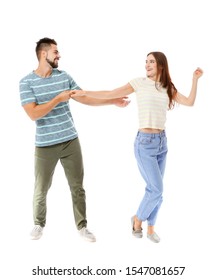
153 237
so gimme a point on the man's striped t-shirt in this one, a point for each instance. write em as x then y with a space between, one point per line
58 125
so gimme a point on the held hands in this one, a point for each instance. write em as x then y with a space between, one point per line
76 92
64 95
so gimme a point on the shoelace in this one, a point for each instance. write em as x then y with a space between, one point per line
88 232
38 228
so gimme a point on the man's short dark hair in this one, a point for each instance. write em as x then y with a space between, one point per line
44 43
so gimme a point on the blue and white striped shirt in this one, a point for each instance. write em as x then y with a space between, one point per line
58 125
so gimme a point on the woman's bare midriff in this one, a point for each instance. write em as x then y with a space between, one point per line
150 130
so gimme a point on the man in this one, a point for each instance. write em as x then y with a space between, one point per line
45 94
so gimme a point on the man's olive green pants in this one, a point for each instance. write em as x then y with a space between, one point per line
70 155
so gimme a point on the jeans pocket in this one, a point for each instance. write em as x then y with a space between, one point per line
146 140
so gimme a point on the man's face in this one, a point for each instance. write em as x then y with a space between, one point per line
53 56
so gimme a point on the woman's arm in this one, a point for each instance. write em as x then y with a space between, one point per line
189 101
120 92
120 102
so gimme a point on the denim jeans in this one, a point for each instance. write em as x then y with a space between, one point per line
150 151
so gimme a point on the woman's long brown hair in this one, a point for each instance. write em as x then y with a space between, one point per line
165 79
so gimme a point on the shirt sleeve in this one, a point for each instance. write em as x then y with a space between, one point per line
135 83
73 84
26 93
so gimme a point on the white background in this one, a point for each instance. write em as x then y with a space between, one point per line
103 45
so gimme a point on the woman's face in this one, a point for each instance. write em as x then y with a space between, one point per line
151 67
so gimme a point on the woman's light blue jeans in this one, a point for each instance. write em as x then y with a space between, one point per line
150 151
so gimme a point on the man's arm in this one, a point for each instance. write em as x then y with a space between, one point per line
35 111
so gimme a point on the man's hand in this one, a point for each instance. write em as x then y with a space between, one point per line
77 92
64 95
121 102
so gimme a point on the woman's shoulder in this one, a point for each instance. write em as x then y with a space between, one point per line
140 81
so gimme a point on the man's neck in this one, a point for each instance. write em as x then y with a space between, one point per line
43 72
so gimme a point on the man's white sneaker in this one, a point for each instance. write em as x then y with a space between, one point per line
37 232
87 235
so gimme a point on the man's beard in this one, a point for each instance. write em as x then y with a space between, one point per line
53 64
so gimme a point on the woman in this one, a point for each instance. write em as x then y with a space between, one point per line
155 95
